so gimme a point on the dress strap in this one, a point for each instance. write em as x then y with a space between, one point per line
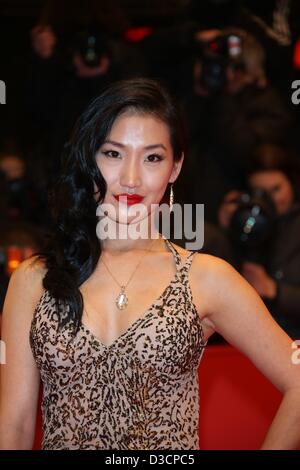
179 264
183 269
174 251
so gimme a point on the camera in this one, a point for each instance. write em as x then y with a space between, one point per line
91 46
252 224
216 56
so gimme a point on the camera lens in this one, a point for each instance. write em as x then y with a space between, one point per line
252 222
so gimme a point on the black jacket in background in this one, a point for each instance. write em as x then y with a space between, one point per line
280 257
284 266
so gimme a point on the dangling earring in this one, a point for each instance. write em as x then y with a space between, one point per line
171 197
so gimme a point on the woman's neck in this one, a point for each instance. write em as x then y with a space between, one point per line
129 238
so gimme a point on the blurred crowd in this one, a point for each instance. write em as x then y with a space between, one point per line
231 65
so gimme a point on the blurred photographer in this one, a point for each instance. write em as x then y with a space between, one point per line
75 53
66 72
268 244
228 60
232 109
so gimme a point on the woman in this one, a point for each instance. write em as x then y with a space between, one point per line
276 273
118 326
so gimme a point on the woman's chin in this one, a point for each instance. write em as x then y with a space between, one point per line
127 220
112 217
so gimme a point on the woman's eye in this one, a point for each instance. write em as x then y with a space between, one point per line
154 158
111 153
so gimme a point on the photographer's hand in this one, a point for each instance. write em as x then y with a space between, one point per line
257 276
228 207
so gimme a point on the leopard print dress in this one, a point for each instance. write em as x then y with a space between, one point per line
141 392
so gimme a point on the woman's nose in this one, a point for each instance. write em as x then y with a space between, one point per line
130 176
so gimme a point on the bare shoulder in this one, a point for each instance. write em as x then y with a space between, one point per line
208 277
211 269
217 283
206 265
27 279
32 269
208 271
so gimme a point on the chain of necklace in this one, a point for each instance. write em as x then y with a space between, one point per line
121 300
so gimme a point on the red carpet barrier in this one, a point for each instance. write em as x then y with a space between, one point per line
237 402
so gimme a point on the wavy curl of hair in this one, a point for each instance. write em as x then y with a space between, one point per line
73 249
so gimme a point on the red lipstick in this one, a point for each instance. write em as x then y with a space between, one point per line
129 199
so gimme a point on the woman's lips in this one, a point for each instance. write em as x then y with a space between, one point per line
129 199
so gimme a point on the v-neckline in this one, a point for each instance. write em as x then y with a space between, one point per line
132 326
149 310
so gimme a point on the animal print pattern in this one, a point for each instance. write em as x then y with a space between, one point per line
141 392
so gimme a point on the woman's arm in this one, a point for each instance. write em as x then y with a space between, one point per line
236 311
19 384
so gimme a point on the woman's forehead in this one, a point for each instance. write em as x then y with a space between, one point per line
132 114
139 125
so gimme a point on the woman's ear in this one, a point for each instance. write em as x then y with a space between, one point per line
176 169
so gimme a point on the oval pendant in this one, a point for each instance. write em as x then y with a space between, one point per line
122 300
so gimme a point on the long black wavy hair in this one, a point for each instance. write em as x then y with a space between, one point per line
72 249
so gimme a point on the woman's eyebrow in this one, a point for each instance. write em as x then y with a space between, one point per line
150 147
147 147
113 142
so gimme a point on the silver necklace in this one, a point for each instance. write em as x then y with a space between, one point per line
121 300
